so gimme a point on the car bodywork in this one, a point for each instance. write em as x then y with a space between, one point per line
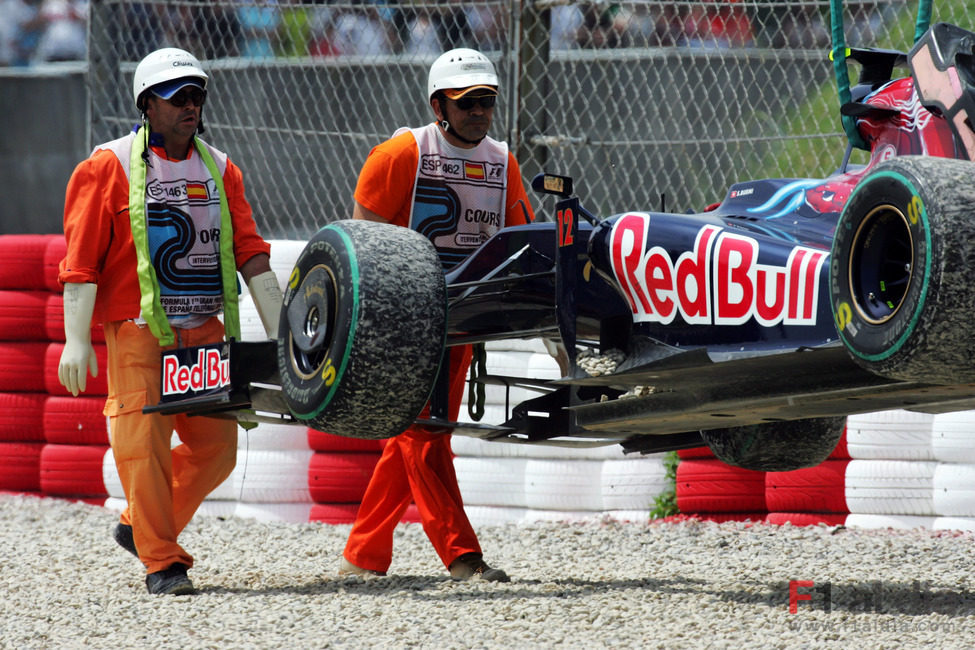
725 318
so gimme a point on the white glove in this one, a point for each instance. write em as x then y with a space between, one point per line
266 292
78 355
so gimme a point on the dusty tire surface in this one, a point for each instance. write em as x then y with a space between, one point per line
900 267
362 329
777 446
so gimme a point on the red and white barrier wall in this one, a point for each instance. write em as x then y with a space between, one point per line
891 469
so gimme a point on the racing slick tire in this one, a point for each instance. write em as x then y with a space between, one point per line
899 270
362 329
777 446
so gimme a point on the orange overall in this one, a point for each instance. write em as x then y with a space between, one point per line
141 444
163 487
417 466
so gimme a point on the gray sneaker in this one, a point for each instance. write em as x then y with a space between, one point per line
472 565
172 581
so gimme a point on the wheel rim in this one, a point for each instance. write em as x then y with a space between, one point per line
881 264
311 322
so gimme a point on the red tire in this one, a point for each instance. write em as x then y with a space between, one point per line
20 466
841 452
806 518
344 513
22 367
695 452
321 441
55 251
21 314
73 470
54 321
22 261
334 513
21 417
814 489
708 485
94 386
340 477
75 420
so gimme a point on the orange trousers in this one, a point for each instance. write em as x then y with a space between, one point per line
163 486
416 466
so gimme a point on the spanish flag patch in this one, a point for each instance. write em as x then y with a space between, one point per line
474 171
197 191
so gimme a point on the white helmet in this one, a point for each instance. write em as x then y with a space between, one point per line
461 68
166 64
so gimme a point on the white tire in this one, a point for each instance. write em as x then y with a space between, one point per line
292 513
953 437
113 484
904 522
264 476
890 435
494 515
954 490
890 487
632 483
563 485
954 523
273 436
491 481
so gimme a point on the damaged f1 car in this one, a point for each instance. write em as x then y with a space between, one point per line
755 326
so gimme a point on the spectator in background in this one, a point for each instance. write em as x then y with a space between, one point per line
259 24
603 26
452 27
65 31
24 26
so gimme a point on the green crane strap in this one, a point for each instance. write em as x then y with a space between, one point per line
838 56
923 19
150 304
475 389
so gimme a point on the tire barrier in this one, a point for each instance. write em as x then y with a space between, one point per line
890 435
953 437
22 417
72 470
74 420
819 489
890 487
54 444
708 486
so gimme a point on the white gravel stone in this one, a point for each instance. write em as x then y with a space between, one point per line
600 584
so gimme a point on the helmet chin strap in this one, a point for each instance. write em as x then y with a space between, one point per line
445 125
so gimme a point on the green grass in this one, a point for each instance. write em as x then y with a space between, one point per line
801 155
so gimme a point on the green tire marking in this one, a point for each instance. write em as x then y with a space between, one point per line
340 371
923 216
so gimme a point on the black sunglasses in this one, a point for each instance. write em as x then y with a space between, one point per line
188 94
467 103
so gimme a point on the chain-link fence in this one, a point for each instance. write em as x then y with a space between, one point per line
642 102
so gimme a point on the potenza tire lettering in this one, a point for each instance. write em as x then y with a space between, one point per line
900 270
362 329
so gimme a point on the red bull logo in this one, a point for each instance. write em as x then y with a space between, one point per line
208 373
718 282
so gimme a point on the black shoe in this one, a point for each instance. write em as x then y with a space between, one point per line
123 537
170 581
